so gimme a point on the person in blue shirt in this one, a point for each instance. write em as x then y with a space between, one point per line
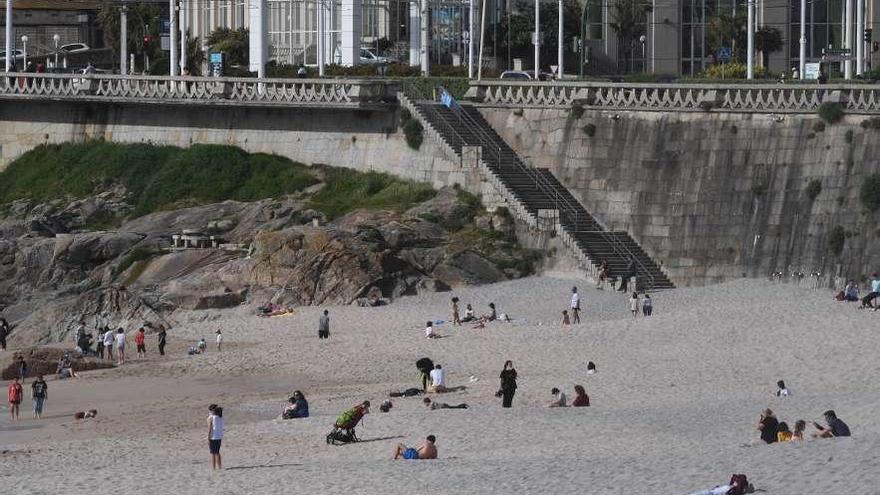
298 407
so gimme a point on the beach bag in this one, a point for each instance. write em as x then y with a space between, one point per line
740 483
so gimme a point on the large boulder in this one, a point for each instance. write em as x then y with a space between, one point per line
467 268
93 248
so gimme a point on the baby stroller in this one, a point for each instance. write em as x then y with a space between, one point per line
343 430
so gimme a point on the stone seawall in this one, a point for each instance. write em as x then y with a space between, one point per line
353 138
715 195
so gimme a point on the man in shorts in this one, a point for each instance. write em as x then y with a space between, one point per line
120 346
39 392
140 340
427 450
324 325
14 394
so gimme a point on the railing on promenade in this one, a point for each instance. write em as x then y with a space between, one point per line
782 98
229 91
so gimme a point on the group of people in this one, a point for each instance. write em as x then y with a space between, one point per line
581 399
851 293
772 430
15 396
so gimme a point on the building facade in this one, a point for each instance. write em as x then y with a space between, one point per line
74 21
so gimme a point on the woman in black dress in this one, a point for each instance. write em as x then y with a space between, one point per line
508 384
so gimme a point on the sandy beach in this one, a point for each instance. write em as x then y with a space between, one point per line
674 404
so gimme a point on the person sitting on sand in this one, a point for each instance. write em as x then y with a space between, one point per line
768 425
429 331
298 407
438 380
469 314
798 433
784 434
565 319
493 314
851 292
868 301
202 346
581 399
836 427
559 399
441 405
426 450
591 368
782 391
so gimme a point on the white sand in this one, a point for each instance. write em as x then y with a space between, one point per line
674 404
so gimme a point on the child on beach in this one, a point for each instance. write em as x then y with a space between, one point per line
215 435
108 343
468 313
575 306
202 346
647 305
783 391
559 399
565 320
219 339
429 330
120 346
139 340
634 304
798 433
783 434
456 319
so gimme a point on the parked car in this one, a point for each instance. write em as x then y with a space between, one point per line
15 54
75 47
515 74
370 58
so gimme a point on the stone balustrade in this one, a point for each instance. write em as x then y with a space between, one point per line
781 98
345 93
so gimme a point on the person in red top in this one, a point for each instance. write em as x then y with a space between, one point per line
581 399
15 393
139 341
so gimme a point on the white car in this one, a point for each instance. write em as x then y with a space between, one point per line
75 47
370 58
515 74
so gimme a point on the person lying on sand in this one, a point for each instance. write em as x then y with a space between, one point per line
441 405
836 427
427 450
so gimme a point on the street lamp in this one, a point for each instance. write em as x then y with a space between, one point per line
24 40
642 39
57 39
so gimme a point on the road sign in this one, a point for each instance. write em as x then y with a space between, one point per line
724 53
837 51
836 58
811 71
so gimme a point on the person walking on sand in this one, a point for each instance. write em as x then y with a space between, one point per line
219 339
647 305
508 384
634 304
565 320
140 341
22 368
108 343
426 450
324 325
163 336
39 393
456 318
215 435
575 306
14 394
120 346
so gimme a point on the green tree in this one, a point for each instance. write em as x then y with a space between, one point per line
727 30
234 42
521 24
629 21
768 40
143 21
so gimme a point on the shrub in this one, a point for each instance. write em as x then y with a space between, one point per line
706 105
347 190
413 130
819 126
576 111
831 112
872 123
836 240
156 177
589 129
870 192
734 70
814 188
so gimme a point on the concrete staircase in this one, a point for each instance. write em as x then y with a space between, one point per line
530 190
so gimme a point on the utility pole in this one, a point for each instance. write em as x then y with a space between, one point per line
847 35
750 40
560 71
172 15
537 40
859 38
10 46
471 39
803 53
183 40
123 40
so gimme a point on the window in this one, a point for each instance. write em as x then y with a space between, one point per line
594 21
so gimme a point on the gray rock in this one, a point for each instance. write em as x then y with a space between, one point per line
467 268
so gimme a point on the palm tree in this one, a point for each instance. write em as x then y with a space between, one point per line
629 21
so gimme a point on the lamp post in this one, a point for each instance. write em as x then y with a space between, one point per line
24 40
57 39
642 40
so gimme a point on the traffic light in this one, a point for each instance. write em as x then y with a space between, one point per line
147 40
868 33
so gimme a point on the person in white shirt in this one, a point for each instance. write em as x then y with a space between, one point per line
215 435
575 306
429 330
559 399
120 346
108 344
219 339
634 304
438 380
783 390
